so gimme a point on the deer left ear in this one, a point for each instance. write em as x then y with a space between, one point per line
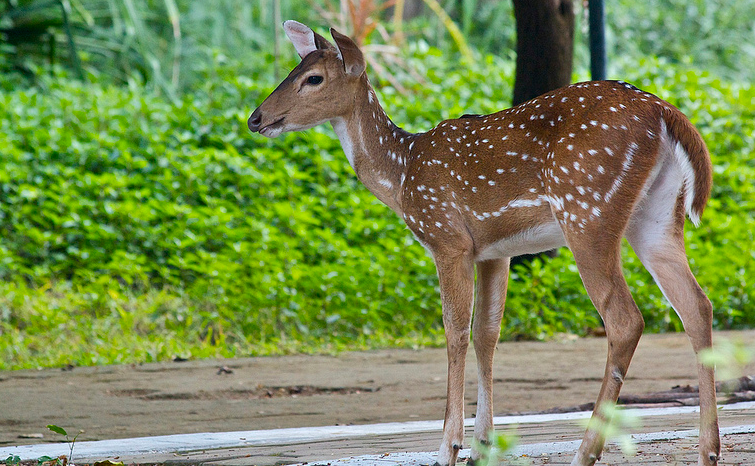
353 60
305 40
301 36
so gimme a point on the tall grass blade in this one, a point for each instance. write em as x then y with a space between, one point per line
65 7
175 22
398 22
452 28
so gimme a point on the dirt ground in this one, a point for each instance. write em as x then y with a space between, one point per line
298 391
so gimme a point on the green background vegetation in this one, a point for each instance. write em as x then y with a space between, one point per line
140 221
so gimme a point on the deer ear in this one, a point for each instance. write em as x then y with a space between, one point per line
301 36
353 60
323 44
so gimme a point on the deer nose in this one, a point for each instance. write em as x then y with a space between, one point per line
255 120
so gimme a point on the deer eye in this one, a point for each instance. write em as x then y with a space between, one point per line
314 80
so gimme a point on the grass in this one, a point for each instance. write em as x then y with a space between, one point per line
138 225
58 326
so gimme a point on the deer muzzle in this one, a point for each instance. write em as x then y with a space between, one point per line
255 121
258 124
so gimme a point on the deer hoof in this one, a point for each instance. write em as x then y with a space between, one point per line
589 460
712 459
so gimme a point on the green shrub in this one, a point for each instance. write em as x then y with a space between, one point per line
134 228
712 35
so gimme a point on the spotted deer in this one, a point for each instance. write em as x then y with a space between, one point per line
582 166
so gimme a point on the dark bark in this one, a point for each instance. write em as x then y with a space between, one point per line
729 391
544 51
545 42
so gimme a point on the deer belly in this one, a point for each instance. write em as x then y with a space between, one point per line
533 240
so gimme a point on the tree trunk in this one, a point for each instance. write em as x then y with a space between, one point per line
544 49
545 42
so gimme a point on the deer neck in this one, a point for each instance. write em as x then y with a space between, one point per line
377 149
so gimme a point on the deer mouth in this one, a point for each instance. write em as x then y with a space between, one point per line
273 129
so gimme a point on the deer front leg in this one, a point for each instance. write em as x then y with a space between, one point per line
492 279
456 276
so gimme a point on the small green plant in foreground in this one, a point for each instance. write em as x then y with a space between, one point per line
50 461
71 442
616 424
729 358
498 447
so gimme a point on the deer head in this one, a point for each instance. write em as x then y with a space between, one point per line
306 98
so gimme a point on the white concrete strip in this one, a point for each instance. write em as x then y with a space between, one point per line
209 441
565 447
531 450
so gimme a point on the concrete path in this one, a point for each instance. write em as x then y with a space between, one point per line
323 408
544 439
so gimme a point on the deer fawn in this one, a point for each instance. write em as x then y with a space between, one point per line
582 166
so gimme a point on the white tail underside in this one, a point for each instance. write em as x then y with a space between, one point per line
688 173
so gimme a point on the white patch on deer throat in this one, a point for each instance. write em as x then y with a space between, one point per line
342 131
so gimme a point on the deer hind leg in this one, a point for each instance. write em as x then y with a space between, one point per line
658 241
456 277
492 278
600 269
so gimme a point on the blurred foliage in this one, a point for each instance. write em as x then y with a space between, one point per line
169 45
136 228
165 44
713 35
27 33
140 222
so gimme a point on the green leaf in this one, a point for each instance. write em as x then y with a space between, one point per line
57 429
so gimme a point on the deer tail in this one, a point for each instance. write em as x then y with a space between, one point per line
692 156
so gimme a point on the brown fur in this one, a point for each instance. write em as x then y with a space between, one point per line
680 128
584 166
